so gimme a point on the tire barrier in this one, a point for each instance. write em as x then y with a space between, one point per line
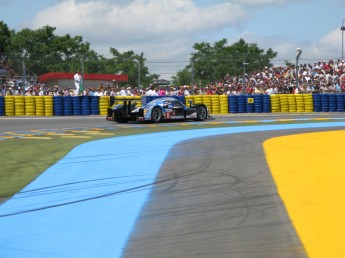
2 105
241 104
332 103
317 102
9 106
206 100
104 103
29 104
58 105
85 105
67 106
223 104
249 102
19 105
39 105
258 103
275 103
94 105
340 98
48 106
217 104
308 103
266 104
233 104
284 102
189 98
324 103
76 105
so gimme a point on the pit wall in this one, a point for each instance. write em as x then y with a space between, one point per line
217 104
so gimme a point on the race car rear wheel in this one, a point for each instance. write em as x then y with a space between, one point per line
156 114
201 113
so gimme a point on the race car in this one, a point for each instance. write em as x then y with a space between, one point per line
158 110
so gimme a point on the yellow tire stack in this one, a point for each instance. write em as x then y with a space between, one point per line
137 99
30 108
9 105
284 103
19 105
104 103
48 106
206 100
39 102
275 103
224 104
292 103
188 98
197 99
215 104
308 103
299 102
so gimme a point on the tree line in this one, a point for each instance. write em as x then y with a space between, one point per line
42 51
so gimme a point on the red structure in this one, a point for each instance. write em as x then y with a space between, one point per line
65 80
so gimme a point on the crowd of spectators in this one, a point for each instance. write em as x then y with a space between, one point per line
319 77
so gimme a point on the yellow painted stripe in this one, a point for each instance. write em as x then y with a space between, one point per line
310 175
76 136
97 133
82 131
61 134
36 138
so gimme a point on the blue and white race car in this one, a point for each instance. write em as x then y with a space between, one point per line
158 110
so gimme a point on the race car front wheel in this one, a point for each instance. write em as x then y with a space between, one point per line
201 113
156 114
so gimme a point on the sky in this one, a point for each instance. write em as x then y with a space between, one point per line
166 30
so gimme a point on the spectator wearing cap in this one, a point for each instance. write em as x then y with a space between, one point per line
129 91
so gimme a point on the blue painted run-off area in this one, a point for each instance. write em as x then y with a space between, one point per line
86 205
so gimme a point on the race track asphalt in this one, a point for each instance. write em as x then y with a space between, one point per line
220 201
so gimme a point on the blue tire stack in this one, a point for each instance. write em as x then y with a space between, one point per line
67 106
232 103
94 105
324 103
332 100
340 102
76 105
249 105
2 105
85 105
241 104
258 103
317 102
266 103
58 105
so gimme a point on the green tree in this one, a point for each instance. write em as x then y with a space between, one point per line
183 77
42 51
213 62
5 40
131 64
